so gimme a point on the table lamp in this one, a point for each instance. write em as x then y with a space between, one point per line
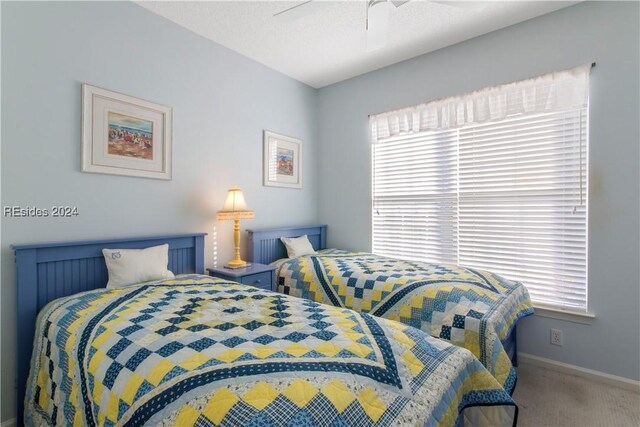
235 208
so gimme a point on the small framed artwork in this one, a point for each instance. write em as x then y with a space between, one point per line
282 161
123 135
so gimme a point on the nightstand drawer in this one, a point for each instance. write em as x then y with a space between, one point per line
260 280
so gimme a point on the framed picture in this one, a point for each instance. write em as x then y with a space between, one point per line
282 160
123 135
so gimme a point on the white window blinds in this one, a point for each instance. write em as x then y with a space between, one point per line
506 194
415 191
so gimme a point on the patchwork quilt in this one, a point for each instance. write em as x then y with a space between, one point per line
470 308
202 351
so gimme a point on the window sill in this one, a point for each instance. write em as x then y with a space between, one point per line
584 318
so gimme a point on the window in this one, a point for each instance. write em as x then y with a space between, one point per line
494 180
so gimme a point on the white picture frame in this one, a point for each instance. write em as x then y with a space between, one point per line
282 160
123 135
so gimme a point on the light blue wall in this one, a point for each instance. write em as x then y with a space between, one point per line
605 32
221 103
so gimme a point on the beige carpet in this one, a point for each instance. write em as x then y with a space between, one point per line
548 398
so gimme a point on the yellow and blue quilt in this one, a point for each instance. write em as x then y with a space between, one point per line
201 351
470 308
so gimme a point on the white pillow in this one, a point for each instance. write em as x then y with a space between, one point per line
297 246
130 266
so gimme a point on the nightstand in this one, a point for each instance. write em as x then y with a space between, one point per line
258 275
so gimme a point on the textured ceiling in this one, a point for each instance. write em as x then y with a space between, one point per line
328 44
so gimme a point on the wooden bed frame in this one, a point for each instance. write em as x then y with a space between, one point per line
49 271
265 247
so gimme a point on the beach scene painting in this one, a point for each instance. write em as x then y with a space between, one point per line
130 136
124 135
284 162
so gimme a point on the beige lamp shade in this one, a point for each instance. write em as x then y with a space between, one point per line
235 207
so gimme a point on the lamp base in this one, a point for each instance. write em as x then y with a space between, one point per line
236 263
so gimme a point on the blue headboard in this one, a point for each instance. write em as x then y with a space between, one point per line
53 270
265 245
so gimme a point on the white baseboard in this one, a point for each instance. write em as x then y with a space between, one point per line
8 423
566 368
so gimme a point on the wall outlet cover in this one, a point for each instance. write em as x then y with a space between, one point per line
556 337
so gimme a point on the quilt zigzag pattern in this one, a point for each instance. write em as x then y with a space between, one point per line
470 308
201 351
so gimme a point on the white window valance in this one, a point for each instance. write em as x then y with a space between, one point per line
552 92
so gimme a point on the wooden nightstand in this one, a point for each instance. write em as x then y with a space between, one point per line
258 275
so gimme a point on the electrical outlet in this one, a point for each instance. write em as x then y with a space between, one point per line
556 337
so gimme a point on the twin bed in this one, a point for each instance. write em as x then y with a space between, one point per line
198 350
470 308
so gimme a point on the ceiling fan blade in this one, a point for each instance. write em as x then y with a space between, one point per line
378 14
468 5
303 9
